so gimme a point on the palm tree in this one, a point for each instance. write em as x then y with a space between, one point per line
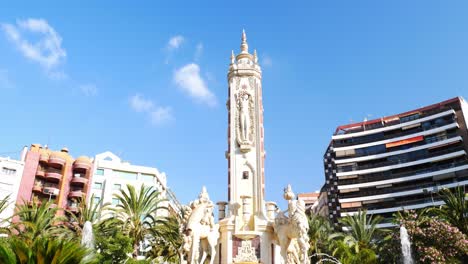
319 231
349 255
455 210
43 250
137 211
39 220
167 240
87 212
360 239
4 203
361 229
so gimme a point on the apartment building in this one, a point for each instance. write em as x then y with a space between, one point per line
397 162
54 176
11 172
111 174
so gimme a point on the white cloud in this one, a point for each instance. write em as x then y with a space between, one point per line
266 61
5 81
161 114
88 89
189 80
157 114
140 104
198 51
175 42
47 50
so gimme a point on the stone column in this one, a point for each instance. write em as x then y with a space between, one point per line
221 210
271 210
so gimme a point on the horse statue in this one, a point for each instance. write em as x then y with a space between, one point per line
200 234
291 231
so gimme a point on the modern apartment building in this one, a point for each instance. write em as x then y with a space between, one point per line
54 176
309 199
11 172
111 174
397 162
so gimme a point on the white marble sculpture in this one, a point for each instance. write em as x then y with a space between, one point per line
291 230
200 233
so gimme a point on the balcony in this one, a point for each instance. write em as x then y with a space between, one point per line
392 194
400 159
37 188
382 138
56 161
51 191
390 124
76 194
78 180
40 173
54 176
82 164
44 158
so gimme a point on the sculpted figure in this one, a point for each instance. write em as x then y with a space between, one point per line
200 234
291 230
244 116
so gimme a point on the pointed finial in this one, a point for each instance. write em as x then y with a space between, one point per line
233 57
255 56
244 45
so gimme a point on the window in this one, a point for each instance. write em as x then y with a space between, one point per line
245 175
117 187
99 172
115 201
97 185
126 175
8 171
147 177
96 200
409 118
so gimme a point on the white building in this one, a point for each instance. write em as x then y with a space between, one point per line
112 174
11 172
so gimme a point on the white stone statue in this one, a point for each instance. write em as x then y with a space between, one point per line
291 231
244 116
200 233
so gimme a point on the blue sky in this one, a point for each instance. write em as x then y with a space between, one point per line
147 80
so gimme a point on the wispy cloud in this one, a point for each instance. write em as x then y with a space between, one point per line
47 50
175 42
189 80
198 51
140 104
157 114
88 89
161 114
266 61
5 81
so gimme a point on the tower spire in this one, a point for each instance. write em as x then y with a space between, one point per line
244 45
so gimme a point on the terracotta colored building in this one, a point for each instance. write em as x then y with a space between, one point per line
55 176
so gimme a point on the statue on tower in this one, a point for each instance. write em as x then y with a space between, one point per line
244 119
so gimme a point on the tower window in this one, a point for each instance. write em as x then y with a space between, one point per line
245 175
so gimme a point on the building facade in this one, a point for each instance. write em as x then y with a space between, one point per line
310 199
11 172
397 162
54 176
111 174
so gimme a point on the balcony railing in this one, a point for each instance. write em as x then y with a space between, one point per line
366 127
387 175
404 158
381 136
